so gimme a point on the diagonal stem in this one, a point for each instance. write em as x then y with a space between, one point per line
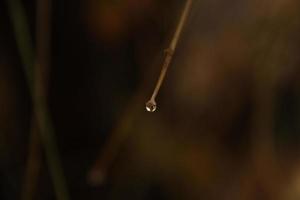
171 50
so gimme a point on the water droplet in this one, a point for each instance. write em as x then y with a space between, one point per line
150 106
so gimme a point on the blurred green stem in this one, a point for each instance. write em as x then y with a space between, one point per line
36 82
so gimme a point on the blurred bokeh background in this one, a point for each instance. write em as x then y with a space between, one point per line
75 76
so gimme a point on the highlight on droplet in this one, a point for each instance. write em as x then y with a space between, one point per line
151 106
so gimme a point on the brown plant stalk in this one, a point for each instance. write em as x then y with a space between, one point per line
151 104
99 170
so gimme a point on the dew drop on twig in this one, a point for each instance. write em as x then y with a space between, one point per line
150 106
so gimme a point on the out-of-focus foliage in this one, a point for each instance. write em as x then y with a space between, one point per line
227 124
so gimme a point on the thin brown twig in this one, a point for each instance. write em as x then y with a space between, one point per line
99 170
151 104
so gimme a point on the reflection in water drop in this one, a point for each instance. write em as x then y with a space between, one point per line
150 106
